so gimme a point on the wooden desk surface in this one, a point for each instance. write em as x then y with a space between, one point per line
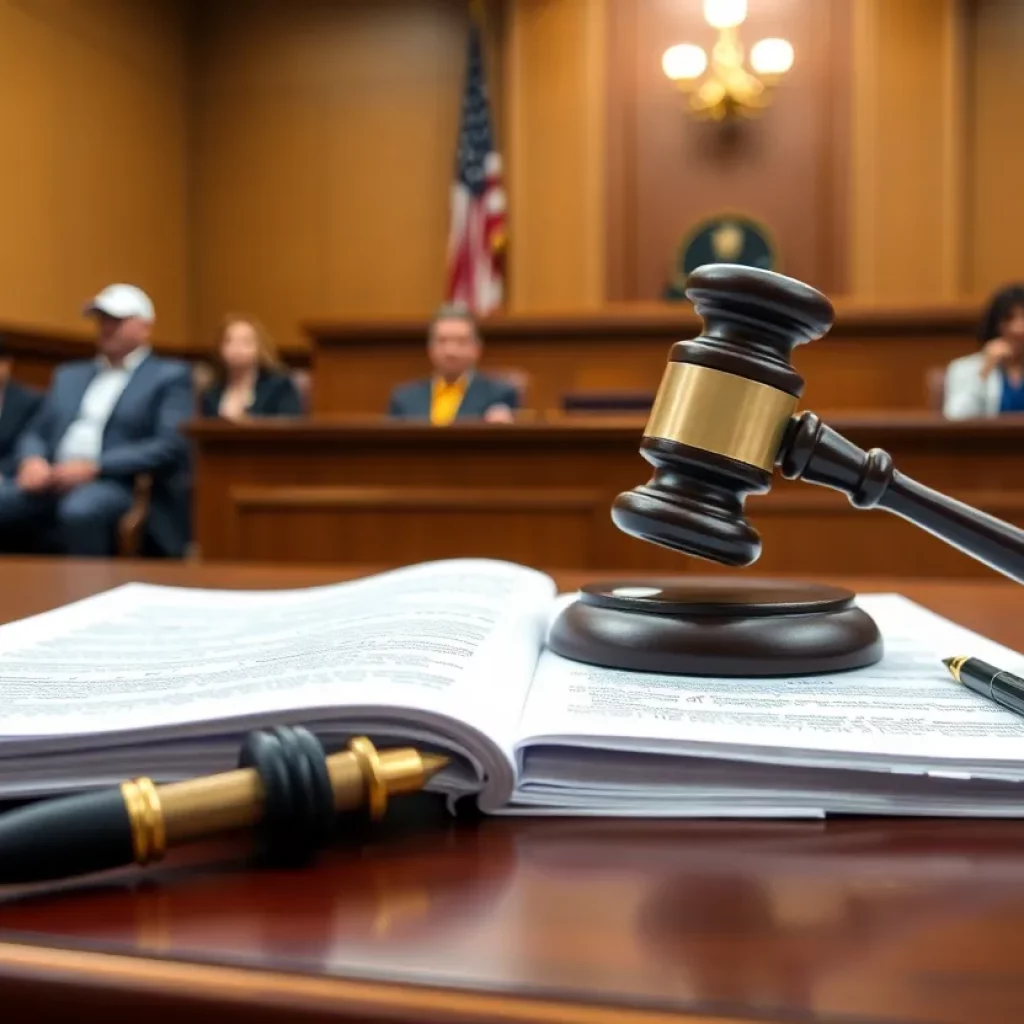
567 920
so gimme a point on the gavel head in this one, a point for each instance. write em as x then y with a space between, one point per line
720 414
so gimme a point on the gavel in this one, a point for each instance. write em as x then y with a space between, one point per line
723 419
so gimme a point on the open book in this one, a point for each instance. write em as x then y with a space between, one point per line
450 656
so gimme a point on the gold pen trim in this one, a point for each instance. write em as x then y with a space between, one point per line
369 765
165 816
146 817
954 665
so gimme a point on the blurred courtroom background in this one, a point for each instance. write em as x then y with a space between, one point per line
295 158
293 161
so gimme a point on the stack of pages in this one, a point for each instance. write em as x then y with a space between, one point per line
450 656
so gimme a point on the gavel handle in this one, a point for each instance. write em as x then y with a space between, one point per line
816 453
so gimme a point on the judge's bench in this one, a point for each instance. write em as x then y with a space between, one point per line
374 492
348 486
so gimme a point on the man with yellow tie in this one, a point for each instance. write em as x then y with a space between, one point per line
455 390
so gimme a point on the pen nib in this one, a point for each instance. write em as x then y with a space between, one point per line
954 665
432 764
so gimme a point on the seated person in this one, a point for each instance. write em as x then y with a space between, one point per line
103 422
18 404
991 381
252 380
455 391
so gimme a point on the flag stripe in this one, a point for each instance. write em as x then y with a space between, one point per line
478 230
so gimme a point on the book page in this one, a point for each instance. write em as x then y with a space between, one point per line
457 638
905 711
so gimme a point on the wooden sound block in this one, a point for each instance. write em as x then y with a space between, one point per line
716 627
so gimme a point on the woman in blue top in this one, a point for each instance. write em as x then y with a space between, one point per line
991 382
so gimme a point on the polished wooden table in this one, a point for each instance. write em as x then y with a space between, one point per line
594 921
539 493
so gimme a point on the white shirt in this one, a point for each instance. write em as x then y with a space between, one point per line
967 393
84 438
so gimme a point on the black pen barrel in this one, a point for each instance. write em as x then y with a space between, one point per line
978 672
1000 686
65 836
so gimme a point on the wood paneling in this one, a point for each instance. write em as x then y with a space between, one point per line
996 92
389 494
323 142
908 142
667 171
555 95
507 523
92 178
874 358
38 351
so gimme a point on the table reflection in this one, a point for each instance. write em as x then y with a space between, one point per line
901 920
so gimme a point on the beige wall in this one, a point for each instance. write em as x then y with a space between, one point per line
92 172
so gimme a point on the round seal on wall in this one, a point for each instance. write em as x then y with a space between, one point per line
725 238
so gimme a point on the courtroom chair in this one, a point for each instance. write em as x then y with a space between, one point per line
131 530
203 375
613 402
132 526
303 381
935 388
519 381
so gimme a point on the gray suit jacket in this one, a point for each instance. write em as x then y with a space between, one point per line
412 401
143 435
18 407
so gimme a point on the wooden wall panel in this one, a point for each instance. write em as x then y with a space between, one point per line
92 178
555 95
908 145
667 170
279 523
996 213
324 138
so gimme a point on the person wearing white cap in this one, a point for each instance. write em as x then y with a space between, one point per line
104 422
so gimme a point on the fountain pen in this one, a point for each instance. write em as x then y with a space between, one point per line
1000 687
285 788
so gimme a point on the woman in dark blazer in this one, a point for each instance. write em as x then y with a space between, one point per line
251 382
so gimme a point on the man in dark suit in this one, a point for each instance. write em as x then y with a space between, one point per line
104 422
455 391
18 404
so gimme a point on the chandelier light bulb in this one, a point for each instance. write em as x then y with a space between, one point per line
684 62
725 13
771 56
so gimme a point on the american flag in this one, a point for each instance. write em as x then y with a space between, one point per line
476 239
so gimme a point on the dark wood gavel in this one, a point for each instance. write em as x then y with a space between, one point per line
724 418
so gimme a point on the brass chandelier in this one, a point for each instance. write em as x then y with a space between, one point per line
724 88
